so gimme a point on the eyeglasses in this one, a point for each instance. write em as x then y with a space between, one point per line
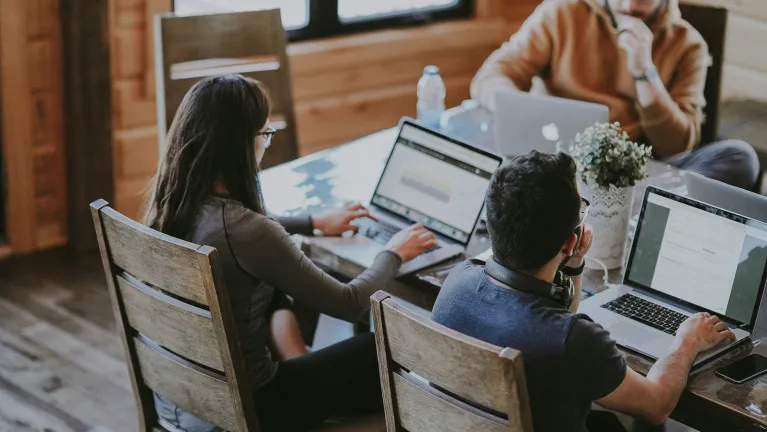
269 136
584 211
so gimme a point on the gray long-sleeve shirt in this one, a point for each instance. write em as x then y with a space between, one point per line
258 257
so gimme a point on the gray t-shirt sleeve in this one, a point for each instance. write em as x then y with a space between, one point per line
592 360
264 249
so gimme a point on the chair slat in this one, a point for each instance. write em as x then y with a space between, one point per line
160 260
466 372
182 328
192 388
199 37
422 409
273 80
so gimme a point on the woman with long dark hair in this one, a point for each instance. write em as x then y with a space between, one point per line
207 191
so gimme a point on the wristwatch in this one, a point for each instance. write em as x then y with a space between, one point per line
650 74
574 271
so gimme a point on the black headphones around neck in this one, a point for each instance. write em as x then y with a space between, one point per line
560 291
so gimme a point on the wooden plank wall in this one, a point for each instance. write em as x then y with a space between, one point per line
745 70
344 88
33 138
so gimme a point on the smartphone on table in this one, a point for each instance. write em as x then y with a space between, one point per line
744 369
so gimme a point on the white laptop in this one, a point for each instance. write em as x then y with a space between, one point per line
686 257
525 121
428 178
728 197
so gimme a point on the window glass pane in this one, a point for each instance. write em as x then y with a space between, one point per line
295 13
358 10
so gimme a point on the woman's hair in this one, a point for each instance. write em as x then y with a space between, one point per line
211 140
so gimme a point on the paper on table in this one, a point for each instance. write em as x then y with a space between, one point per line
484 256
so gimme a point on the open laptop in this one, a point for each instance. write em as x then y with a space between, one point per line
525 121
728 197
686 257
428 178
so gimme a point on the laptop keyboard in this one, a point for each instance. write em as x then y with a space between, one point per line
645 312
380 232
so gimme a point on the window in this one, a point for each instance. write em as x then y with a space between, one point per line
295 13
309 19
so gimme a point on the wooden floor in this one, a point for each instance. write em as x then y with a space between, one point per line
62 367
61 363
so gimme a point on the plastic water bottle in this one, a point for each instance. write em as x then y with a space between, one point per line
431 97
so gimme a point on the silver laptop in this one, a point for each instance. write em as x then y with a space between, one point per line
686 257
428 178
525 121
728 197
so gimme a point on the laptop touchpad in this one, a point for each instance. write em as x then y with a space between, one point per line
632 334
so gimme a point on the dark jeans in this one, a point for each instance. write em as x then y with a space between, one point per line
338 381
732 161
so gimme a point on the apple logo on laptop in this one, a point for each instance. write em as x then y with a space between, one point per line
551 132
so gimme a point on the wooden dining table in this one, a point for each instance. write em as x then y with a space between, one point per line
349 173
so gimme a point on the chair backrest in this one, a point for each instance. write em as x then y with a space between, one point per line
190 48
174 315
711 22
436 379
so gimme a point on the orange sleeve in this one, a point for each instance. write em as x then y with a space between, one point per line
672 124
514 65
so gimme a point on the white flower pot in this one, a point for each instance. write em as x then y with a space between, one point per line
609 216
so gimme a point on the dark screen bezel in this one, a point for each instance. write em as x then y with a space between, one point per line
405 121
708 208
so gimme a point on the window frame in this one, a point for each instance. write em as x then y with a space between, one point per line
324 20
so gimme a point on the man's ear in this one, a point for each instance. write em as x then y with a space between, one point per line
569 247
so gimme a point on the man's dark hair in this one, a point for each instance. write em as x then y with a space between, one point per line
533 206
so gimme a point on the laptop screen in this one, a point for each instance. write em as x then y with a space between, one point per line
435 181
700 254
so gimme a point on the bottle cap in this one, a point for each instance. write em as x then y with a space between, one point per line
431 70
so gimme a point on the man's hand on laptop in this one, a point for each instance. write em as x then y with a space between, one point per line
411 242
703 331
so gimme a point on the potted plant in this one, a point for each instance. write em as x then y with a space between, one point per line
609 165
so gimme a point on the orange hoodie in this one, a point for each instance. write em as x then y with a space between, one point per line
573 46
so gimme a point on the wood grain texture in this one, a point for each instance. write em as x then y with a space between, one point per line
182 328
242 35
16 126
423 409
144 399
418 358
160 260
87 54
478 362
382 351
192 388
228 340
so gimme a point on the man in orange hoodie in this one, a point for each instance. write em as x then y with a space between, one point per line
638 57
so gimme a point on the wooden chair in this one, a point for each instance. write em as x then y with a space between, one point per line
177 327
470 385
711 22
190 48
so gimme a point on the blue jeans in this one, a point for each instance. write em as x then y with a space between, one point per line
731 161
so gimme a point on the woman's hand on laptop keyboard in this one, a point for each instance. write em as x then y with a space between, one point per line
703 331
411 242
338 221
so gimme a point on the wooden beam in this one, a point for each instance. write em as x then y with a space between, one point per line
17 126
88 113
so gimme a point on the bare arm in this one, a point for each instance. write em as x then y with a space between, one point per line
655 396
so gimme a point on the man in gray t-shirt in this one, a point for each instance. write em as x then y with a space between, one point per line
535 220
